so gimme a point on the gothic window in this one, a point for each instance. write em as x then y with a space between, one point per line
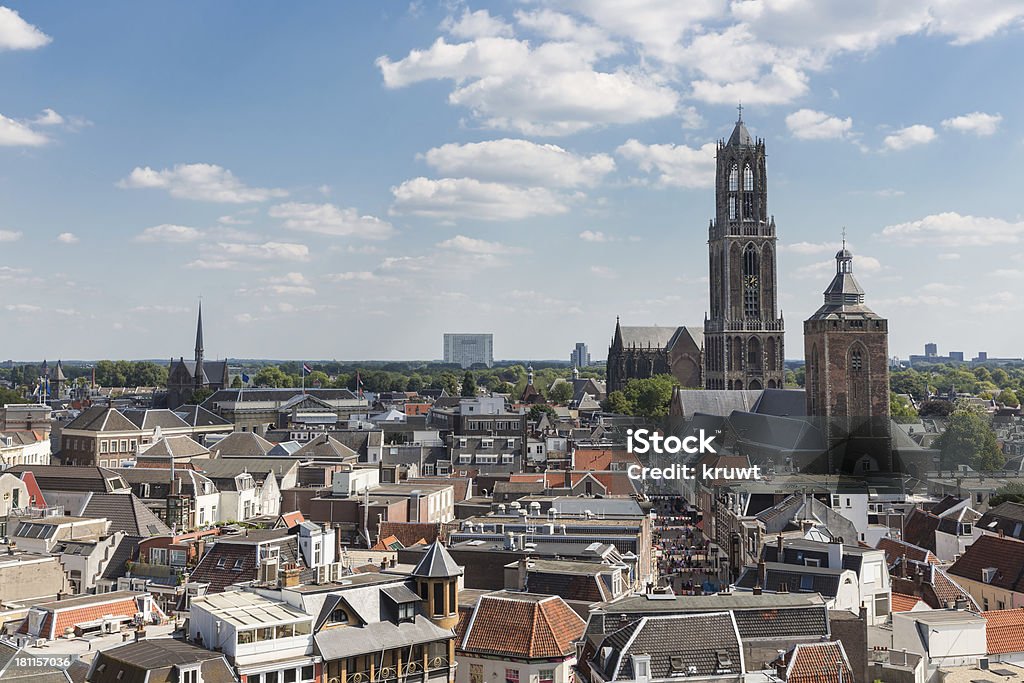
856 361
748 179
734 177
751 283
732 207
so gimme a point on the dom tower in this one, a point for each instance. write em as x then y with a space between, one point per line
743 336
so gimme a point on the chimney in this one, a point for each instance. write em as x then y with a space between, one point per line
761 573
778 542
524 565
568 479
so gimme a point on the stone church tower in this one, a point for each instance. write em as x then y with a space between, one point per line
846 345
743 335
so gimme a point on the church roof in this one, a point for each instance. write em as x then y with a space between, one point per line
844 296
740 136
657 337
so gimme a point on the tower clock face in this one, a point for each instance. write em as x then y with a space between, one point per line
750 281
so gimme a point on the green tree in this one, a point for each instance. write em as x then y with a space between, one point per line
562 392
649 397
900 409
969 440
272 376
469 384
616 402
200 395
503 388
12 396
236 383
539 410
1008 397
1000 377
1012 492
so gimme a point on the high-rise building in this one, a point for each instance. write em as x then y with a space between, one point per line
846 345
580 356
743 335
469 349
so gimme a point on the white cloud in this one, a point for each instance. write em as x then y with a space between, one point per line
10 235
928 300
406 264
808 248
690 118
550 89
941 288
910 136
471 245
780 85
16 134
604 272
203 182
160 308
328 219
1013 273
595 236
889 192
67 238
22 308
49 117
822 270
478 24
808 124
290 284
977 122
167 232
18 34
949 257
214 263
353 276
466 198
268 251
676 165
520 162
950 229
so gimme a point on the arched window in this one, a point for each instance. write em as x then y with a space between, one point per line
734 178
748 178
732 207
856 360
751 283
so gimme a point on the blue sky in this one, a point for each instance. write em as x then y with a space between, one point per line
351 180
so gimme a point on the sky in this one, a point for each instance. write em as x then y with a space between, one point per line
350 180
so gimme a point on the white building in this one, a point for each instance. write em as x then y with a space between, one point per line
469 349
944 638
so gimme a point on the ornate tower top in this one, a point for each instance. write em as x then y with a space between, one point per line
844 296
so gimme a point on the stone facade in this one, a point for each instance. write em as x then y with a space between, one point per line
743 335
642 352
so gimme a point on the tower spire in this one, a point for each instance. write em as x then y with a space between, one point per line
739 109
200 375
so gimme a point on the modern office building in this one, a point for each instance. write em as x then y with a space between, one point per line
580 356
469 349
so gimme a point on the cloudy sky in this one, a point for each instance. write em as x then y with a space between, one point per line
352 179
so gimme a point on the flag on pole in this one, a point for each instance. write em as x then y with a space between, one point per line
359 385
306 369
245 378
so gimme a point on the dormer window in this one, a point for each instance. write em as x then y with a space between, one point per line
190 674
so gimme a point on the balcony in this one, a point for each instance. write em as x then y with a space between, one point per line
436 669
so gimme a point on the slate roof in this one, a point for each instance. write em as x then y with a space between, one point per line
781 403
198 416
126 513
740 136
1004 631
245 444
688 402
895 550
126 550
233 560
181 446
522 625
711 644
581 587
67 478
1007 517
1003 553
153 418
437 562
818 663
276 394
102 419
818 579
154 661
228 468
326 447
653 336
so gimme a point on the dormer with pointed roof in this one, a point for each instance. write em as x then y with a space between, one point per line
437 582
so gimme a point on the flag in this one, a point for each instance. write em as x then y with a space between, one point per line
306 369
245 378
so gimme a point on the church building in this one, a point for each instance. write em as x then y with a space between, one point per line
185 377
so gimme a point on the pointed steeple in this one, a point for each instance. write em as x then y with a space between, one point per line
199 333
617 338
437 563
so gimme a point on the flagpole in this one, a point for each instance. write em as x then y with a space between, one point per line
302 372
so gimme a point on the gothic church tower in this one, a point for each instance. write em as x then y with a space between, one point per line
743 335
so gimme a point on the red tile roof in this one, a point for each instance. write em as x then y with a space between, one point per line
896 549
818 663
523 625
904 603
1005 631
410 533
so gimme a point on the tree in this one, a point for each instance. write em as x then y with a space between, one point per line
200 395
469 384
562 392
1008 397
272 376
1012 492
649 397
11 396
503 388
900 409
969 440
935 408
616 402
538 410
1000 377
236 383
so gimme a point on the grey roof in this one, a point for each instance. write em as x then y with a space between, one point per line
657 337
711 645
740 136
437 563
180 446
844 296
221 468
794 578
102 419
152 418
400 593
71 478
126 513
327 447
689 402
781 402
124 551
276 394
198 416
156 660
338 643
246 444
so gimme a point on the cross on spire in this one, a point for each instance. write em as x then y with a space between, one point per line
844 237
739 108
